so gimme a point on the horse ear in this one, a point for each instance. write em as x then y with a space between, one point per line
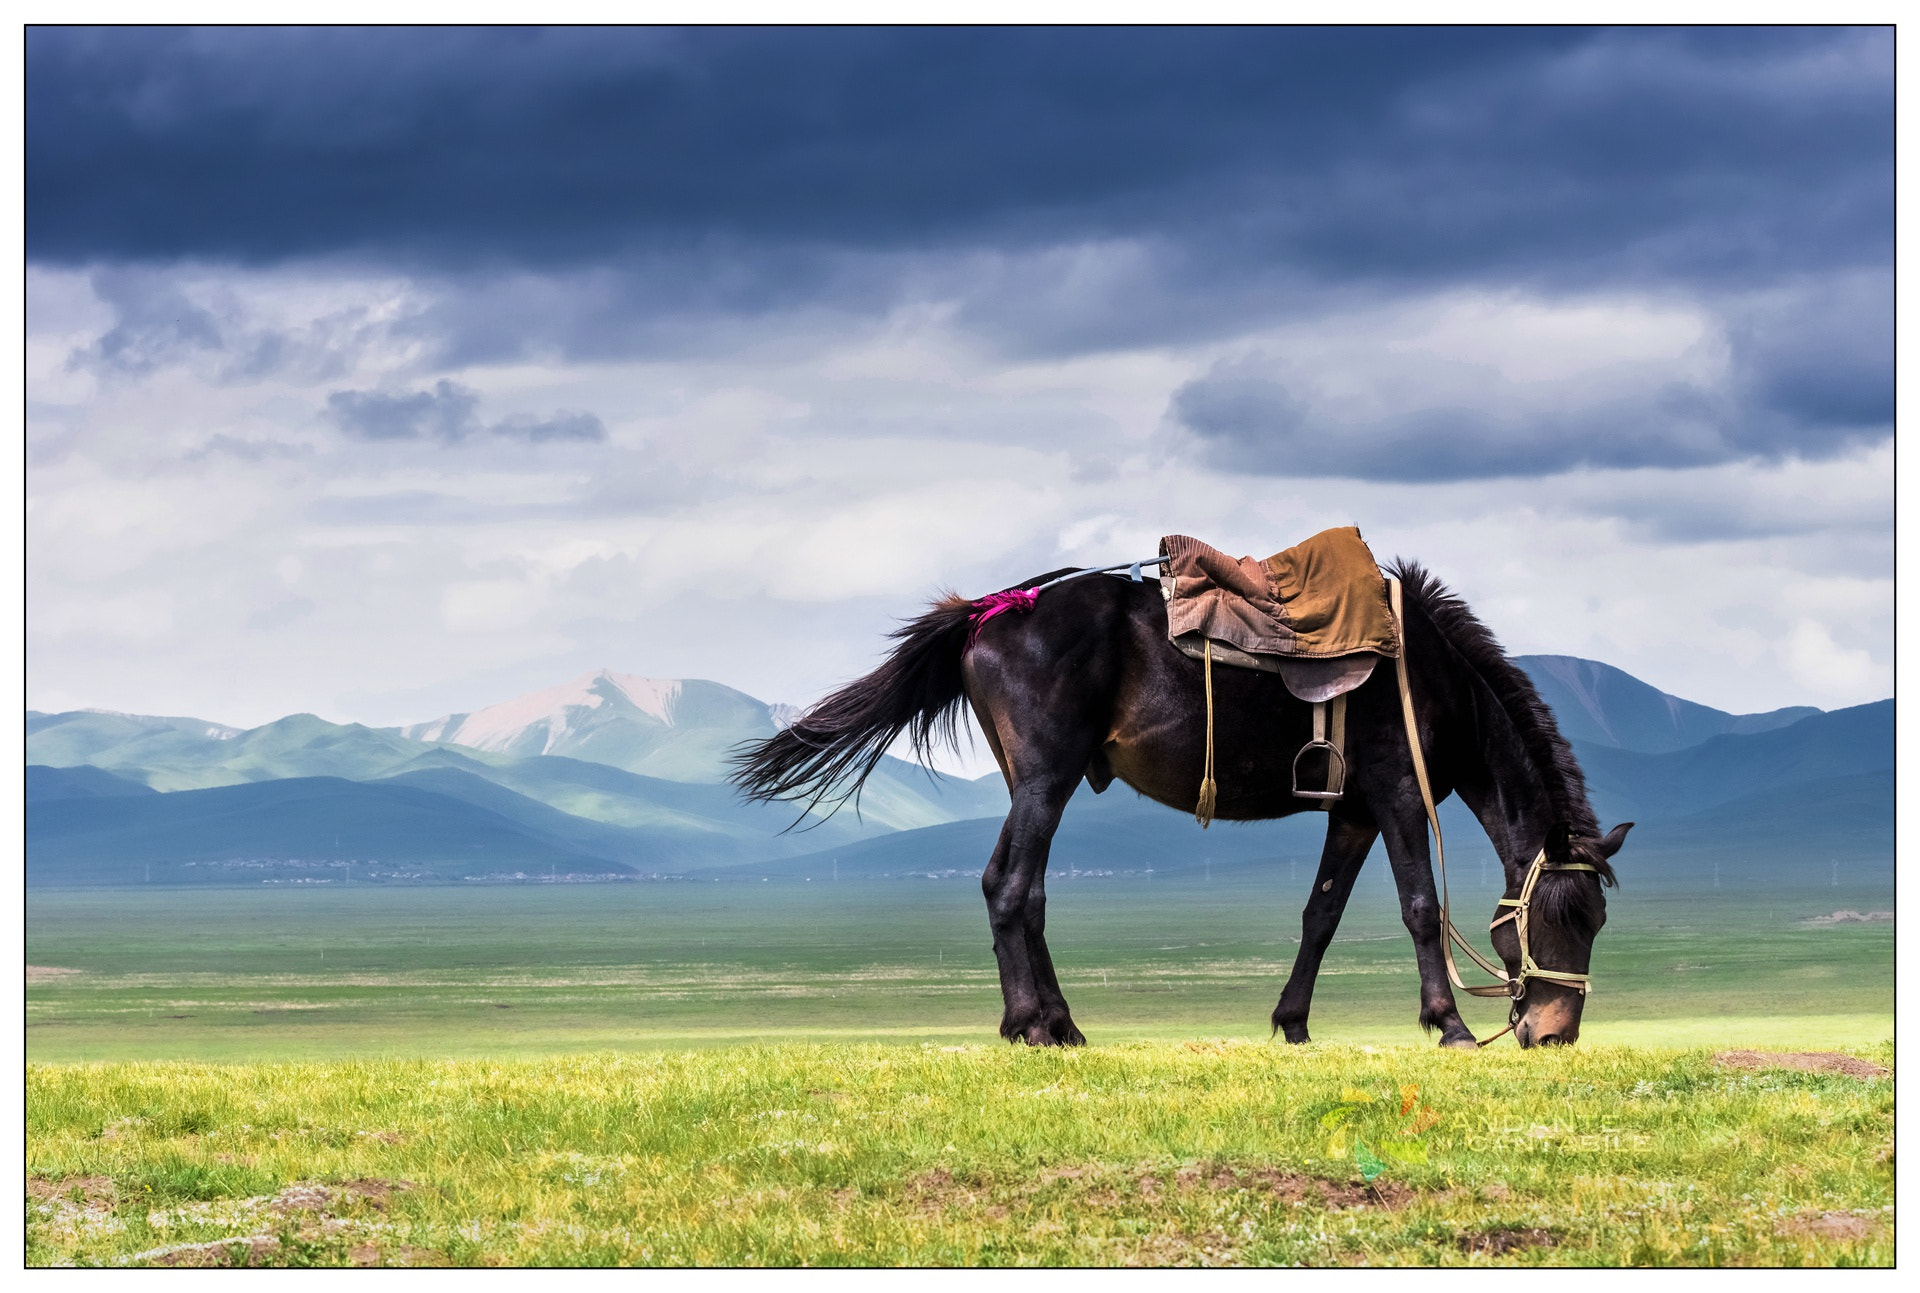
1559 845
1615 838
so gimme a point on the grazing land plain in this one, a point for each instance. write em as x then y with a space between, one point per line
792 1071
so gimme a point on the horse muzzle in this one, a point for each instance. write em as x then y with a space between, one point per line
1549 1023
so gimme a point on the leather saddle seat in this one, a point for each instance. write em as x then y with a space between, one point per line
1316 613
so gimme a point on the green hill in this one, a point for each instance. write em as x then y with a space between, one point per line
301 830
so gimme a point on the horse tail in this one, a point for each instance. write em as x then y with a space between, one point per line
830 750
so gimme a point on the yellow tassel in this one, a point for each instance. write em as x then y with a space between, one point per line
1203 812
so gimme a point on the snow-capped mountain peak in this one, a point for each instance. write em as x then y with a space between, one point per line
540 721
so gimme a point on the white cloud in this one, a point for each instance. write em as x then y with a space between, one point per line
1824 666
1529 340
490 605
130 617
764 519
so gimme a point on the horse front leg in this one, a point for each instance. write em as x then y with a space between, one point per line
1405 832
1015 887
1341 858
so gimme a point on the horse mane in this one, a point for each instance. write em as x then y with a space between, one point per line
1552 757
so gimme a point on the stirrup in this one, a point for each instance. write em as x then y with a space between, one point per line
1336 761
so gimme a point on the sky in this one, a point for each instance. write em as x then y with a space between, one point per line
386 373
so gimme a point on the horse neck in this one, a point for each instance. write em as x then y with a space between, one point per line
1498 780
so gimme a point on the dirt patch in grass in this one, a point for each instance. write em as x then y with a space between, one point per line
1295 1187
87 1191
938 1189
398 1255
244 1250
1805 1061
305 1196
1831 1225
48 974
309 1216
1497 1243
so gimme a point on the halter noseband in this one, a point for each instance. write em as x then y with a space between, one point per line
1529 969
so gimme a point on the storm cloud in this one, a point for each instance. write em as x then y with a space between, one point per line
1374 153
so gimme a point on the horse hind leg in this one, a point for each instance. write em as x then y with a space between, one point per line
1036 1011
1055 1016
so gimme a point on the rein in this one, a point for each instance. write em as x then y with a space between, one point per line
1515 987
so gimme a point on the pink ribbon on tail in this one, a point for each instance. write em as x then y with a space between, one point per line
984 609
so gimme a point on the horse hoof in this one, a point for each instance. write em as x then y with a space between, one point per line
1466 1043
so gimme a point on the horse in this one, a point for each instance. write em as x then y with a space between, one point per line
1084 684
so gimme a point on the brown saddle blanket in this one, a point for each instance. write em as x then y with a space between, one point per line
1316 613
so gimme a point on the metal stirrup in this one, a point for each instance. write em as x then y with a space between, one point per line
1336 759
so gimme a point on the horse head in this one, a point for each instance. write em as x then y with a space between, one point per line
1544 930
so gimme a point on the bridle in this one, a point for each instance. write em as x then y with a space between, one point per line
1513 987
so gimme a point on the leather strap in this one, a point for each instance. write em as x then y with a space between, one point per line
1529 969
1209 792
1449 935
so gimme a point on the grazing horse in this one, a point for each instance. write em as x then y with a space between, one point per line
1083 683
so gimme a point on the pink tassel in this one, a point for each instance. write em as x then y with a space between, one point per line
984 609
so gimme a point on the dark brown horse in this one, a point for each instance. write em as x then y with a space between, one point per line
1085 685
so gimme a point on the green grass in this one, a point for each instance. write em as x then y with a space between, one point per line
582 1075
1208 1153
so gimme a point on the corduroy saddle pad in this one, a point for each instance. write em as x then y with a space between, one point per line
1316 613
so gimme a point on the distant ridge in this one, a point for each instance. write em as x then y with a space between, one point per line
297 828
613 771
80 782
1677 783
1601 705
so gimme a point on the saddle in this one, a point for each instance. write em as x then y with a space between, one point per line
1317 614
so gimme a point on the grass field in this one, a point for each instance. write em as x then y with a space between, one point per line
251 975
1160 1154
803 1073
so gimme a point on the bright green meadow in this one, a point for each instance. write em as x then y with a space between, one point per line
806 1073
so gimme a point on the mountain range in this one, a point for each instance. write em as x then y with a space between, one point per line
615 775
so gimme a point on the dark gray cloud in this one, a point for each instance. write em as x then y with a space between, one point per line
1254 425
448 413
1371 153
1816 365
